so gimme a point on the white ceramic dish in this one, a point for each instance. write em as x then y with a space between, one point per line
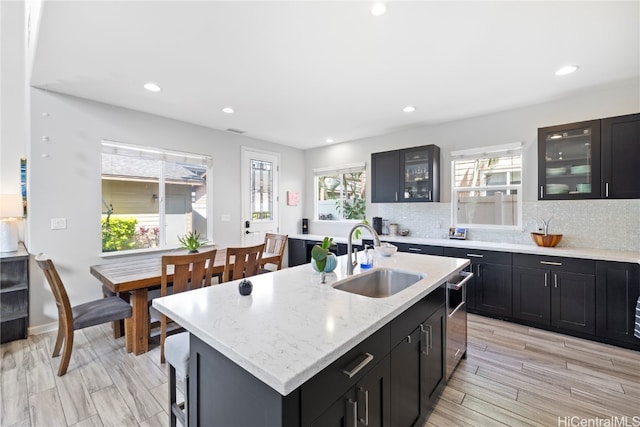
580 169
386 249
556 171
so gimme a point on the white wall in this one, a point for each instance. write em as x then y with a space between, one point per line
66 183
433 219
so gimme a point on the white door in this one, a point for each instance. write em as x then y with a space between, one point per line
260 194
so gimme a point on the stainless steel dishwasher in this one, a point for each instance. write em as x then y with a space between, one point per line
456 320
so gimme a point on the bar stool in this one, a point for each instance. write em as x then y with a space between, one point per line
176 350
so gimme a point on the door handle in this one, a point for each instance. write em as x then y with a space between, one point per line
546 279
351 371
351 413
555 279
363 392
425 340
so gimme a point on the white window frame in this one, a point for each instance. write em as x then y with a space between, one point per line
116 147
348 168
485 153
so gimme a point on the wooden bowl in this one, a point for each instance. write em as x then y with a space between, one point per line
548 241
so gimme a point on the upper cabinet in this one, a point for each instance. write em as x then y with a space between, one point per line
569 161
590 160
407 175
621 157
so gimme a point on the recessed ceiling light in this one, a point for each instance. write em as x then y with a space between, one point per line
228 110
409 109
567 69
329 140
378 9
152 87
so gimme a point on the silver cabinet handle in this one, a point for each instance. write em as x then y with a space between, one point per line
546 279
364 362
550 263
478 268
425 340
415 250
364 419
408 339
475 255
555 279
396 196
606 189
430 337
429 194
351 413
541 191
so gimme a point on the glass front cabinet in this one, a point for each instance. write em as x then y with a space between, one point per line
569 161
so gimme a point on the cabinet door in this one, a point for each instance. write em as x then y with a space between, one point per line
406 362
419 174
573 302
532 295
432 372
621 157
373 395
617 290
569 161
493 289
385 176
342 413
297 252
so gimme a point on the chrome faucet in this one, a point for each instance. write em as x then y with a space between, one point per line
353 262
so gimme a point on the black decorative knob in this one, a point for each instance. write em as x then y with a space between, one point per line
245 287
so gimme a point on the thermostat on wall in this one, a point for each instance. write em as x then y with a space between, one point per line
457 233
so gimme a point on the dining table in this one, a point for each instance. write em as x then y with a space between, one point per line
135 277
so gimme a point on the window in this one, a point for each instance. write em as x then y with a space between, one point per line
152 196
487 187
340 193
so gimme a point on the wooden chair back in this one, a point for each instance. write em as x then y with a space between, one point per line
65 314
275 244
242 262
184 272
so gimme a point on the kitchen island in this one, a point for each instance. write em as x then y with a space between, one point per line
263 348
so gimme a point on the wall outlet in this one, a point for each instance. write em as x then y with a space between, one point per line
58 223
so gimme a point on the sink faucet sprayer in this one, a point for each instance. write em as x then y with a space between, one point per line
353 262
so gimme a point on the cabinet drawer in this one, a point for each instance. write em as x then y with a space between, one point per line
402 325
333 381
419 249
574 265
476 255
14 304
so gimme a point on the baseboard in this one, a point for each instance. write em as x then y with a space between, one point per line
43 329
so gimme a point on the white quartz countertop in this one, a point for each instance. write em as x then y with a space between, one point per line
292 326
587 253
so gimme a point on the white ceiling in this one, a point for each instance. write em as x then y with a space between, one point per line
299 72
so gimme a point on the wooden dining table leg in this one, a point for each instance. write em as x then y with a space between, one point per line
140 320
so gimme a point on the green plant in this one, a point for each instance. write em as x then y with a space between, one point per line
320 253
118 234
191 241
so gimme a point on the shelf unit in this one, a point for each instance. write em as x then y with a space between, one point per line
14 294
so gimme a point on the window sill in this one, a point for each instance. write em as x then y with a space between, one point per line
148 251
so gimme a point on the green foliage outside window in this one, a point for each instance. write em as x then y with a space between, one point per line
118 234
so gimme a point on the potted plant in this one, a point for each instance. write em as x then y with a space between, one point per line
191 241
321 259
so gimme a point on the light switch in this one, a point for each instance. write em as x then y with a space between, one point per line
58 223
225 218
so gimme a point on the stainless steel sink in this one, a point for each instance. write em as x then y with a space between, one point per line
379 282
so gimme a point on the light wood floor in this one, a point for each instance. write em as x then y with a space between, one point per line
514 375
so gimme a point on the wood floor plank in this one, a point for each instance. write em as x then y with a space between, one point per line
619 403
158 420
39 371
45 409
459 414
75 398
14 398
112 408
94 421
500 414
552 374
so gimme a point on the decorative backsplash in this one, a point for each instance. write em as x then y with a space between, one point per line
599 224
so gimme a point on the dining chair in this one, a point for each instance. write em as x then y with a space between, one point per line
190 271
72 318
242 262
274 244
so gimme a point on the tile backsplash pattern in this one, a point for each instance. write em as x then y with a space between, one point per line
598 224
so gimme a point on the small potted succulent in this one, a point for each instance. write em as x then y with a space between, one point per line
191 241
321 259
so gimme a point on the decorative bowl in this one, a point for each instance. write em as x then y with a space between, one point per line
556 171
580 169
548 241
386 249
